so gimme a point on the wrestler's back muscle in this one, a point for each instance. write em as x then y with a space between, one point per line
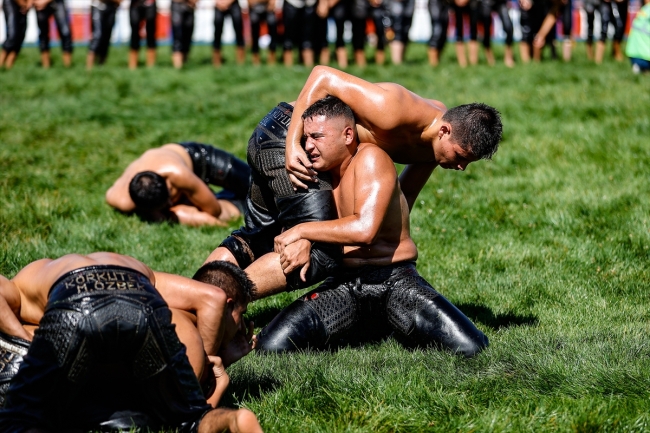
35 280
170 160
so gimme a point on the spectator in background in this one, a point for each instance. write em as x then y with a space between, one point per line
532 15
142 10
466 9
298 17
263 11
638 41
221 9
614 12
320 42
402 14
381 20
182 16
15 12
358 14
44 10
102 15
338 10
590 7
486 7
439 13
547 29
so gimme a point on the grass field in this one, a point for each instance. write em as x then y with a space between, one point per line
545 248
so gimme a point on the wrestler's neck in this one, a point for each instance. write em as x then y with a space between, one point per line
339 171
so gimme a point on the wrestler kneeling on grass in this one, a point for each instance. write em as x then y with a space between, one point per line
106 352
379 292
171 183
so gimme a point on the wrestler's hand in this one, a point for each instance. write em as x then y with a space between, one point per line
296 255
218 369
299 166
285 238
240 346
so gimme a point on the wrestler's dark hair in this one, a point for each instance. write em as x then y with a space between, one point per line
476 128
330 107
149 192
232 280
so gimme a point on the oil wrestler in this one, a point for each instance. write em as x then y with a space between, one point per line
171 182
107 352
379 291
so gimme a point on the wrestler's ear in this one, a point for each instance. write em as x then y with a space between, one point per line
445 129
230 304
348 132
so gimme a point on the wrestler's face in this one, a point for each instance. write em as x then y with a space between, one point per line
234 323
174 193
449 154
326 141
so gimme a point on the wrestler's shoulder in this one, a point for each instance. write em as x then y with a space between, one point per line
369 152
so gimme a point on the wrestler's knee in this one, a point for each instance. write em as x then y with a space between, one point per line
222 254
426 318
294 328
440 319
234 247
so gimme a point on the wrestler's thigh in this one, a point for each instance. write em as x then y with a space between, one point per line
426 318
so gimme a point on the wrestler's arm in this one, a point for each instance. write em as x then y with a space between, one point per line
196 191
221 377
384 106
547 25
10 310
206 301
375 180
413 179
191 216
118 197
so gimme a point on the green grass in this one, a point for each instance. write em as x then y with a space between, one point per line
546 247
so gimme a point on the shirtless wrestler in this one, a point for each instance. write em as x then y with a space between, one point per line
379 291
412 130
171 182
103 351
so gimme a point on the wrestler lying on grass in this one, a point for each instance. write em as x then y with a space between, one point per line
96 346
171 183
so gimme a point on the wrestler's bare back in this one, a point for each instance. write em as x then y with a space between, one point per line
409 140
170 160
35 280
393 242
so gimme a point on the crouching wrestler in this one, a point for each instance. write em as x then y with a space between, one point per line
171 183
273 205
379 292
107 352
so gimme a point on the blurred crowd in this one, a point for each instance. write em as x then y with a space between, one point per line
298 29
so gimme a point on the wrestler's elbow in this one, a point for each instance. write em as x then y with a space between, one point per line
212 298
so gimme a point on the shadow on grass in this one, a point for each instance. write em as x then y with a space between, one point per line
485 316
248 387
